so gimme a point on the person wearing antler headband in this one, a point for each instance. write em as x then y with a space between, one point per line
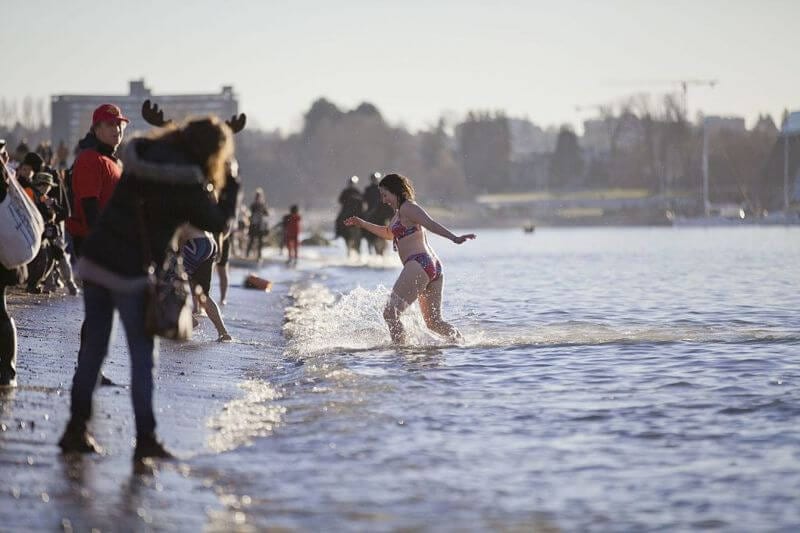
154 115
175 176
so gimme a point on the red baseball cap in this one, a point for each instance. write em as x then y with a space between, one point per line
108 113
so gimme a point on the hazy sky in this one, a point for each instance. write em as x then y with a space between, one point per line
413 59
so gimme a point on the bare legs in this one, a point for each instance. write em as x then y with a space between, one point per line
212 310
430 303
291 246
222 272
413 283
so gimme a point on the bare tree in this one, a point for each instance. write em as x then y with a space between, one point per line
485 150
27 112
8 112
4 119
41 113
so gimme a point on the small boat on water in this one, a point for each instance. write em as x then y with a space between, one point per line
736 214
734 217
723 215
529 227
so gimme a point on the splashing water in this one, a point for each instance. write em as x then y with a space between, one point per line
318 322
243 419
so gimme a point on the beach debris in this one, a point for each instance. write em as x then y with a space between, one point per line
252 281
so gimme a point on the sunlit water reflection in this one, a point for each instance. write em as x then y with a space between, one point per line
610 379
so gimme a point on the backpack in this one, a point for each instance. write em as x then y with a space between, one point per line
21 226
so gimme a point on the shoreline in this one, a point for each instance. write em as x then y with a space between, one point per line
201 397
475 216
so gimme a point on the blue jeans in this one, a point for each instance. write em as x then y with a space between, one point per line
99 304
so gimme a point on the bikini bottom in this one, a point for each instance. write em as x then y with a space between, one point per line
431 265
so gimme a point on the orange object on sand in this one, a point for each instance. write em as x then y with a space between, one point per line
254 282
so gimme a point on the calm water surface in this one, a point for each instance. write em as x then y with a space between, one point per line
611 379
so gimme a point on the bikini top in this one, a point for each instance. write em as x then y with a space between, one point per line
400 231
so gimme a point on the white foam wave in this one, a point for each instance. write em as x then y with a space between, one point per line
320 322
337 257
591 334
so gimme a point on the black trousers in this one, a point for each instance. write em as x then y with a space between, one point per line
8 330
8 341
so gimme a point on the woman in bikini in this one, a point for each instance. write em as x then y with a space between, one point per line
422 275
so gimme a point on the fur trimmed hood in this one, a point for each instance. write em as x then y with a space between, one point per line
156 161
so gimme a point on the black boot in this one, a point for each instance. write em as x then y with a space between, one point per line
77 439
148 446
8 353
34 289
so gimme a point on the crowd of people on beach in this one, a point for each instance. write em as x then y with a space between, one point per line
170 202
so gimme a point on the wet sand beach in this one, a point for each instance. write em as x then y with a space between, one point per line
208 396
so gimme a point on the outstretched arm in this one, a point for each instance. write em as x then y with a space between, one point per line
381 231
419 216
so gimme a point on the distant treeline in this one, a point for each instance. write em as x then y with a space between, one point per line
635 144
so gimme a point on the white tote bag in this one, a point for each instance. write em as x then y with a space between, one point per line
21 226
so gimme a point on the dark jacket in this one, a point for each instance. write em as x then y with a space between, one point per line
352 202
159 191
59 194
372 196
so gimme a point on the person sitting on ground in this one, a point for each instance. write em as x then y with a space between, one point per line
176 175
45 261
62 275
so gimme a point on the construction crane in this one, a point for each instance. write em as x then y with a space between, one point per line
596 107
605 107
683 85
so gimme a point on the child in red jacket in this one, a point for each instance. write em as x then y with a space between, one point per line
291 234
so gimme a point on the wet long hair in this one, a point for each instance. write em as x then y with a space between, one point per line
207 142
398 185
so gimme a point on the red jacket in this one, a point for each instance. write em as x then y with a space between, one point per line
94 175
291 227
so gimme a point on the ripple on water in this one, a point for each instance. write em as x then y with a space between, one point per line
616 402
680 385
774 405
